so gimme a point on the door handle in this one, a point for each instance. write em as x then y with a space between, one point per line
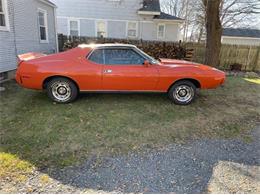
108 71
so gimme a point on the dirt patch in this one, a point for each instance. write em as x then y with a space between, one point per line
230 178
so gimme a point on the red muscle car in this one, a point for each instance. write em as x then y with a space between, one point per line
113 68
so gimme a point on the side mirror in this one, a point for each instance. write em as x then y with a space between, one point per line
146 63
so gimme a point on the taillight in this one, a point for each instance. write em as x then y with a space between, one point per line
19 63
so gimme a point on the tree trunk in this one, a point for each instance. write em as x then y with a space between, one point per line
214 32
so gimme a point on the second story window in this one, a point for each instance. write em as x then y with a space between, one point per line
3 15
132 29
161 31
74 28
101 29
43 26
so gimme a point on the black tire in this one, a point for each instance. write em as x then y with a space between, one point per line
61 87
182 92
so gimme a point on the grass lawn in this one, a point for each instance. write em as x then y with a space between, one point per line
45 134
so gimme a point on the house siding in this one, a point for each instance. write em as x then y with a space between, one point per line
87 28
148 31
116 29
23 36
62 25
241 41
102 9
7 44
116 15
26 26
172 32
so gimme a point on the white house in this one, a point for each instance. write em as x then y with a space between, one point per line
241 36
126 19
25 26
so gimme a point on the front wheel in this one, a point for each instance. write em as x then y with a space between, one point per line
182 92
62 90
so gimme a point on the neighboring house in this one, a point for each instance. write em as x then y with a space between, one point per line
241 36
125 19
25 26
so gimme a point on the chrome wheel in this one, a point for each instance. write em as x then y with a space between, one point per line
183 93
61 91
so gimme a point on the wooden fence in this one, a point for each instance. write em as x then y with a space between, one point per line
247 56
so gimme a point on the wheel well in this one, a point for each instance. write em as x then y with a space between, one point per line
194 81
44 85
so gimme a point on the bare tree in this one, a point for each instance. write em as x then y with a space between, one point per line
214 32
182 9
239 12
233 13
209 16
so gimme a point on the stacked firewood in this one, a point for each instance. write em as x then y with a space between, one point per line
157 49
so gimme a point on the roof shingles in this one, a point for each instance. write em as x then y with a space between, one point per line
241 32
151 5
164 16
154 6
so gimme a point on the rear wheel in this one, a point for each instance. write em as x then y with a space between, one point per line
62 90
182 92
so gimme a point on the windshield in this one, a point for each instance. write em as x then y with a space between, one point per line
151 59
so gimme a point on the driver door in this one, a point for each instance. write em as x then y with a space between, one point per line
123 70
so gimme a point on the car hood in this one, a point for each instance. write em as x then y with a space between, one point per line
174 63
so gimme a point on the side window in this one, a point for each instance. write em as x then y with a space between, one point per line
132 29
97 56
4 21
101 29
74 27
122 57
43 29
161 31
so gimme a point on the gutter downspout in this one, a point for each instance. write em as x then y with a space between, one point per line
55 29
15 43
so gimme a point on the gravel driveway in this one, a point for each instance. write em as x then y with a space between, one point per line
185 168
174 169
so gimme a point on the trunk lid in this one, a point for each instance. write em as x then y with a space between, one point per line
29 56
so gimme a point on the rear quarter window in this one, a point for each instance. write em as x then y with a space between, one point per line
97 56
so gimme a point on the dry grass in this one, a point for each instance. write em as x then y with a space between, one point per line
47 134
13 169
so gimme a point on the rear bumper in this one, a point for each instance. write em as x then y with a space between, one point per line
27 81
18 79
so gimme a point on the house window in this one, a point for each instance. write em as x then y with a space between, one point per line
43 27
132 29
101 29
74 28
161 31
4 25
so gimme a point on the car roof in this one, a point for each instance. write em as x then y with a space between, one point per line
106 45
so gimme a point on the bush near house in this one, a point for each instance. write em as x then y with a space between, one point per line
247 56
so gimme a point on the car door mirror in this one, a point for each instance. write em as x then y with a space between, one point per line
146 63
